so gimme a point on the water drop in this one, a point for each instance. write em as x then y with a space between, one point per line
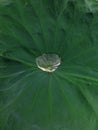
48 62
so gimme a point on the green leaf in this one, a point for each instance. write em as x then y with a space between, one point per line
32 99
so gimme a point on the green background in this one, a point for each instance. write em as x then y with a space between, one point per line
66 99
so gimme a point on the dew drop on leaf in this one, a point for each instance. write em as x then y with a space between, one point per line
48 62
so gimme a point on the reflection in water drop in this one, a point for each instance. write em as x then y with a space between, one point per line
48 62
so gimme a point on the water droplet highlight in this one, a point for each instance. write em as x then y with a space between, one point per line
48 62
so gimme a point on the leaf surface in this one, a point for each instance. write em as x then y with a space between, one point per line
31 99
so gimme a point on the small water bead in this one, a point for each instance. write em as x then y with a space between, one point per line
48 62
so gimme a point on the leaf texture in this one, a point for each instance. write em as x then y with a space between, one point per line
31 99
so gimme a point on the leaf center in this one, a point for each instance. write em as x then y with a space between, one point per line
48 62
